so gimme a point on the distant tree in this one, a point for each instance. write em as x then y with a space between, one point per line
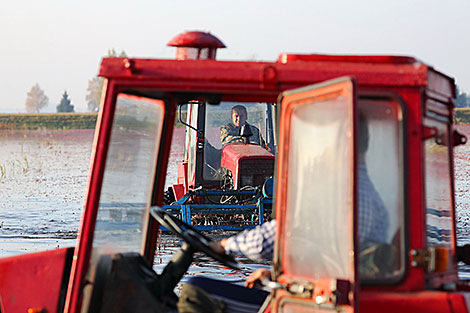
95 85
36 99
113 54
65 104
462 100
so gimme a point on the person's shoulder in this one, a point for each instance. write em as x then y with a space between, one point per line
251 125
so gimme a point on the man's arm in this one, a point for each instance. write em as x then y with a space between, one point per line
258 275
256 244
226 136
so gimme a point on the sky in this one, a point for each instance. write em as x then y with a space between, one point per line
59 44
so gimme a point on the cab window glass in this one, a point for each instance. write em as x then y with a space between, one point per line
191 135
438 187
318 236
128 177
222 127
381 189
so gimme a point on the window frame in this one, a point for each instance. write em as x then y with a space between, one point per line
202 115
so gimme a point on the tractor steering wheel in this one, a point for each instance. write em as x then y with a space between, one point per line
193 237
235 139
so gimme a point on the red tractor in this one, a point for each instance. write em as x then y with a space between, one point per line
225 179
327 160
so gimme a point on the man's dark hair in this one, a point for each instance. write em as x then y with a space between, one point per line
240 108
363 134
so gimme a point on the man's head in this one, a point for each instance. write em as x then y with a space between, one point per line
239 115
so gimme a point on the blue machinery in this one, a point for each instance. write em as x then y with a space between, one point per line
215 216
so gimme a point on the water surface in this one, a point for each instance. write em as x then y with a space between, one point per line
43 176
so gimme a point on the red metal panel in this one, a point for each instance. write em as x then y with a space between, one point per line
410 302
239 150
415 184
183 174
286 58
32 281
178 191
233 153
263 75
458 303
229 160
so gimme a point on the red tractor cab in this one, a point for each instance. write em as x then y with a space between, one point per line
381 236
364 196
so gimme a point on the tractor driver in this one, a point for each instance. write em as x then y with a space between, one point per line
230 133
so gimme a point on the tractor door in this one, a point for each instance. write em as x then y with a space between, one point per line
130 148
315 258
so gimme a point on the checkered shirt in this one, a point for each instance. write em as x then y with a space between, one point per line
373 216
256 244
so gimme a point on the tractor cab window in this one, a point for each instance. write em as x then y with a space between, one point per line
191 138
381 189
223 124
128 177
438 186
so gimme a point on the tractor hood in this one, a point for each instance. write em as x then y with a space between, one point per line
247 162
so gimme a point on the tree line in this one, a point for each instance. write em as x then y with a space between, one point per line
36 99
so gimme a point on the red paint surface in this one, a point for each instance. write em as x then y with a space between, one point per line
32 281
251 76
233 153
196 39
412 302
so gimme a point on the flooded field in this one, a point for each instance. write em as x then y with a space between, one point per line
462 188
43 177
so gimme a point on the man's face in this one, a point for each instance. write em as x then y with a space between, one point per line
238 118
